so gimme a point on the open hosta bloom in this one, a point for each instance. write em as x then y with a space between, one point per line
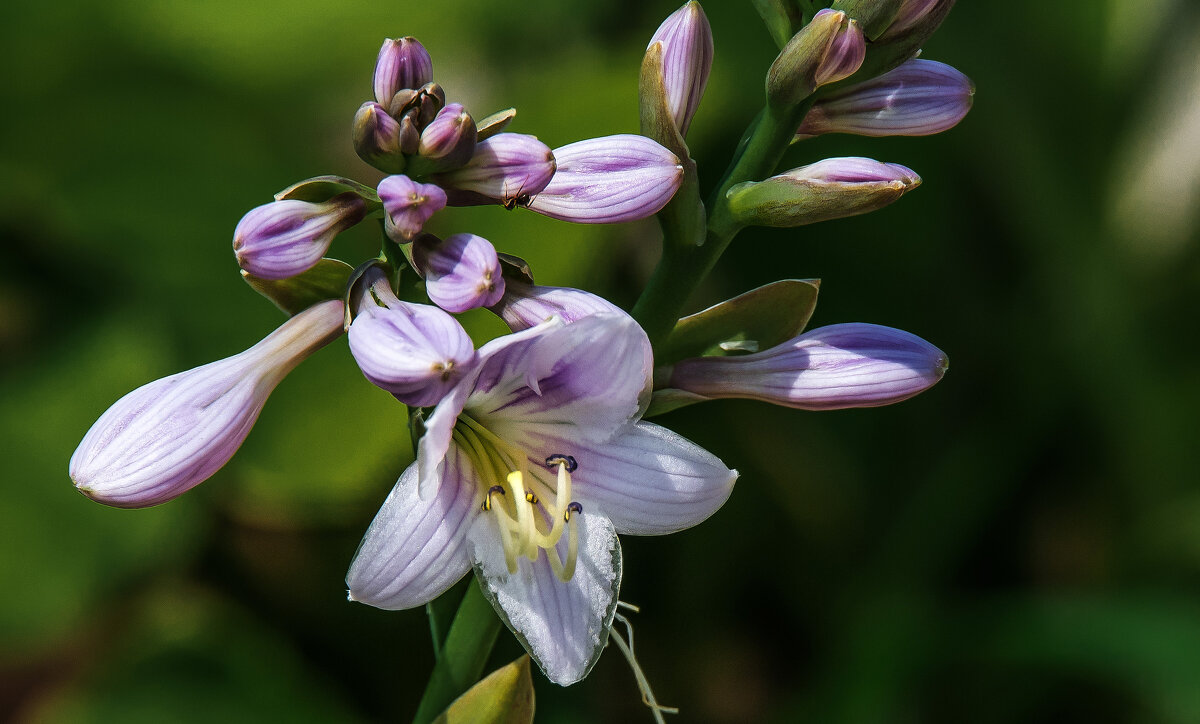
528 470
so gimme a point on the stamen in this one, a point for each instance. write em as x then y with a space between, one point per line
526 537
559 459
572 507
531 498
487 499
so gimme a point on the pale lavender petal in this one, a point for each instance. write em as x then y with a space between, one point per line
610 179
172 434
687 54
285 238
919 98
415 351
402 63
834 367
563 626
439 426
911 13
462 272
525 305
581 381
409 204
854 170
415 549
507 168
648 480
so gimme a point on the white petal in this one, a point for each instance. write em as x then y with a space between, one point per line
415 549
648 480
563 626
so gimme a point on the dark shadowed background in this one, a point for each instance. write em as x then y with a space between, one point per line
1019 544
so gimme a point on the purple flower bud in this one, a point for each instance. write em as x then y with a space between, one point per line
508 168
417 352
610 179
461 272
526 305
450 138
919 98
830 189
284 238
377 138
687 54
911 14
830 368
828 49
402 63
168 436
409 205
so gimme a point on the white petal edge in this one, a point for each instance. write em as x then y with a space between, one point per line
563 626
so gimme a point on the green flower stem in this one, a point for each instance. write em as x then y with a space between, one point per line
468 644
683 267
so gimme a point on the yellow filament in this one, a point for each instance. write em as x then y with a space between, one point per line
558 513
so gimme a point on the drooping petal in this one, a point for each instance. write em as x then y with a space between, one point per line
462 272
648 480
610 179
582 381
439 426
563 626
170 435
415 549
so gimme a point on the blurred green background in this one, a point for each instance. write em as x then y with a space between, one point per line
1019 544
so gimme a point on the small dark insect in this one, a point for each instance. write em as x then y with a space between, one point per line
519 199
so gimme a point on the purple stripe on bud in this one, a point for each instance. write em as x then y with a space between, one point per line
610 179
687 54
402 63
830 368
449 139
508 168
526 305
168 436
919 98
417 352
461 272
911 14
377 138
285 238
409 205
855 170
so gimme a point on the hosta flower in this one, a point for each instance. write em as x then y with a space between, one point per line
284 238
527 471
172 434
687 55
462 272
828 368
408 205
830 48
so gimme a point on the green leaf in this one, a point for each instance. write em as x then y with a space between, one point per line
767 316
326 280
505 696
494 123
324 188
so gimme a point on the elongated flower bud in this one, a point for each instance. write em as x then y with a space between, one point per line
377 138
449 140
830 368
687 54
828 49
830 189
461 272
402 63
919 98
610 179
912 16
284 238
168 436
525 305
508 168
409 205
417 352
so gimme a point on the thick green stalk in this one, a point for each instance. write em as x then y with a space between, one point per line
683 267
466 650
